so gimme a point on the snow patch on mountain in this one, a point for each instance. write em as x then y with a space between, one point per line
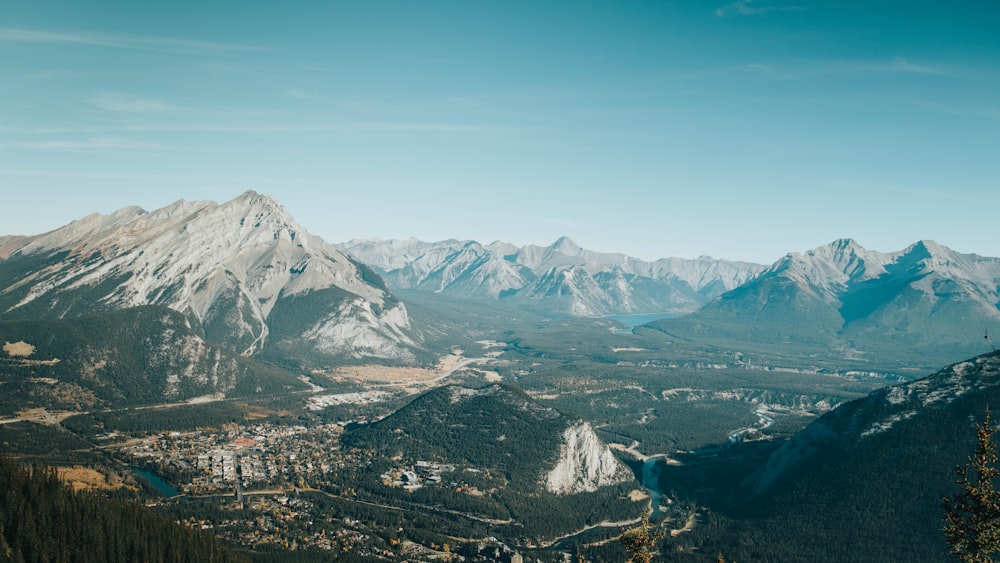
944 388
585 463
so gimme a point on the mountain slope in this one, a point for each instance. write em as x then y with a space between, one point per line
135 356
926 299
227 267
865 481
561 278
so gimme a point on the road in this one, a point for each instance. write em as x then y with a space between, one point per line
414 508
41 416
604 524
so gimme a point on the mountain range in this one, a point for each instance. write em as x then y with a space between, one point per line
925 300
142 307
559 278
861 304
249 280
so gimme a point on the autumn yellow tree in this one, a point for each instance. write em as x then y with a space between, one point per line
640 542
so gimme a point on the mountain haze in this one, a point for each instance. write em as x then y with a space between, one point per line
561 278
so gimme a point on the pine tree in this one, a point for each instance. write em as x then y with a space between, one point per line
640 541
972 518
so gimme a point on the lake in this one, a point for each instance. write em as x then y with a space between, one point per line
157 483
632 321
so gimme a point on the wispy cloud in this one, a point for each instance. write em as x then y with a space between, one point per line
899 65
52 75
749 8
80 145
129 103
902 65
262 127
122 41
809 69
346 126
298 94
413 126
742 7
14 34
980 112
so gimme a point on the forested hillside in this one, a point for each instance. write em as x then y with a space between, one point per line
864 482
42 519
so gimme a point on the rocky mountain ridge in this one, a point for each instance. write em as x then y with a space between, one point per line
561 278
227 267
926 298
247 275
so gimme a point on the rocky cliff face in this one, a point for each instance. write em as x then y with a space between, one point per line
585 463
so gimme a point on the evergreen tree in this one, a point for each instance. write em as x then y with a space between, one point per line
972 517
640 541
44 521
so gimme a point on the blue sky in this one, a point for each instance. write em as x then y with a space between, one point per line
741 130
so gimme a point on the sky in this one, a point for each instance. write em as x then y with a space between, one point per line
741 130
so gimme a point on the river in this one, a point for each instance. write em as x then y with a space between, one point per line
764 421
651 480
651 465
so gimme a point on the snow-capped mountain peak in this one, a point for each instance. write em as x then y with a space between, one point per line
566 246
561 277
927 298
829 269
929 255
225 265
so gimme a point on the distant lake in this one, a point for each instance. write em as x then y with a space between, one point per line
632 321
157 483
